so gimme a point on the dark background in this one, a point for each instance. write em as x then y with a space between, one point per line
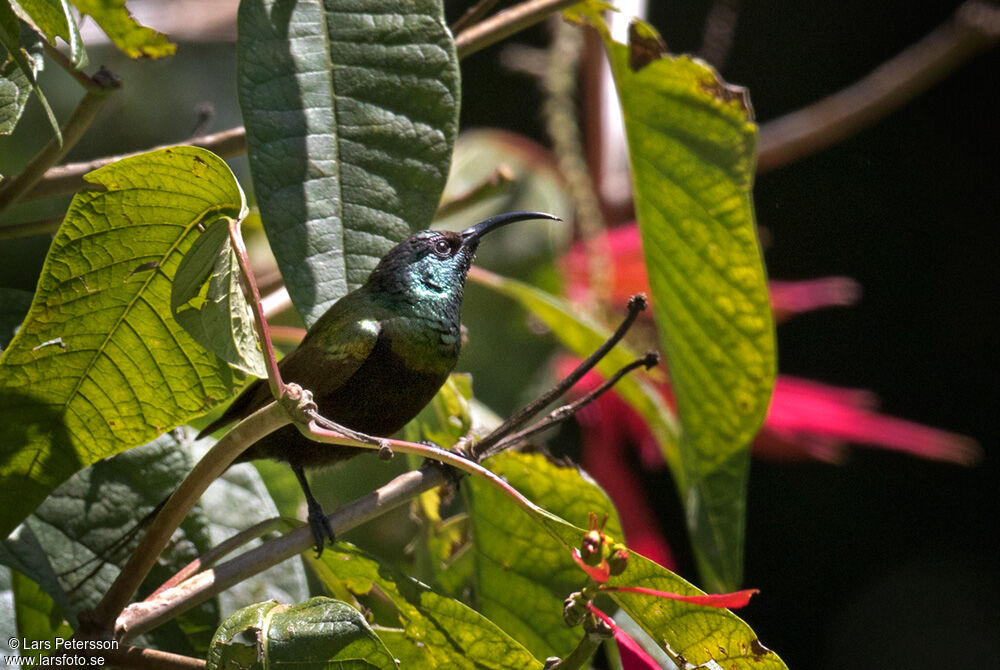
887 560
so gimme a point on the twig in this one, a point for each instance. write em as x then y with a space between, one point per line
88 83
17 186
506 23
974 28
216 553
472 15
249 285
150 659
636 304
69 178
563 413
28 228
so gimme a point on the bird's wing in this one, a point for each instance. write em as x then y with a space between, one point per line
332 351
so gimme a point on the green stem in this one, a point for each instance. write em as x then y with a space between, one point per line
84 114
506 23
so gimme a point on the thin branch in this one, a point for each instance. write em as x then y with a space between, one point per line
28 228
561 414
17 186
216 553
249 284
636 304
69 178
472 15
974 28
83 79
142 658
506 23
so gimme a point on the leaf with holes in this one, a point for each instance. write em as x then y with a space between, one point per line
351 111
99 365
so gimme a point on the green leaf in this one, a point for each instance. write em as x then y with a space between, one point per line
19 71
439 631
351 111
58 545
14 305
52 18
691 141
38 618
136 40
15 85
207 300
319 633
523 573
582 336
99 364
699 634
524 570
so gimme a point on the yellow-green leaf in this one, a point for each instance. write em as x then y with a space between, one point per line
136 40
99 364
691 140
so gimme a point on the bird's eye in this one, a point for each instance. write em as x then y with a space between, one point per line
442 248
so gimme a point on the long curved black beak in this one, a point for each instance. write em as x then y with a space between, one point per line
471 235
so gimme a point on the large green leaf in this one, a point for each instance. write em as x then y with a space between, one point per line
522 572
319 633
52 18
127 34
99 365
525 570
438 631
351 110
691 140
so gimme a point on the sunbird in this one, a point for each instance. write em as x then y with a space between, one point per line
378 355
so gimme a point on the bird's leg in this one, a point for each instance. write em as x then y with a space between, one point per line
318 523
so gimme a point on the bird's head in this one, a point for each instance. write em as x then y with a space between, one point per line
433 264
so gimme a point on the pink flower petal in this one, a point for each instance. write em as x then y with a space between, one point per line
728 600
599 573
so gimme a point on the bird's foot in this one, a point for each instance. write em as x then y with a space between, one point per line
452 474
319 524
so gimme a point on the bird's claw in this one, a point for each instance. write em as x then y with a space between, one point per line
322 529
